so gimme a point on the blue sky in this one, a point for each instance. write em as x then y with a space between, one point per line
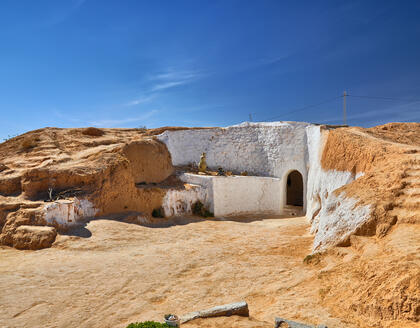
131 63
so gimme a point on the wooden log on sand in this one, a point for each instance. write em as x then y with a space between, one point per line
240 308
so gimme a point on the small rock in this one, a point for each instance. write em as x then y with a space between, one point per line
283 323
34 237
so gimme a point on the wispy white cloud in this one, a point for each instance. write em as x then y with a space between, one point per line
141 100
167 85
177 75
167 79
173 78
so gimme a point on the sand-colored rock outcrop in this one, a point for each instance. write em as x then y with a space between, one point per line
33 237
390 183
384 269
116 170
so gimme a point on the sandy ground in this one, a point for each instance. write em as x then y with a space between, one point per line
114 273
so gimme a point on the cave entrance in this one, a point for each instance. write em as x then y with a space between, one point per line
294 189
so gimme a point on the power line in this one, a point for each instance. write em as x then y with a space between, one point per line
384 98
302 108
344 95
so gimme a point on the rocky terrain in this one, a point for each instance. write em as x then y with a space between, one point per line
101 165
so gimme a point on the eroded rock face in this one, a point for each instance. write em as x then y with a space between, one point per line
149 160
34 237
81 173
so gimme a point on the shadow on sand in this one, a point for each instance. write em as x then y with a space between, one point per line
82 231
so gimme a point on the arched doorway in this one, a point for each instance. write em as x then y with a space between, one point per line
294 189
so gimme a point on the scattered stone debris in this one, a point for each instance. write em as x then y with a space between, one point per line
283 323
240 308
221 172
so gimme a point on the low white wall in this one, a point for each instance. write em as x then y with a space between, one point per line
179 202
66 213
235 195
246 195
206 183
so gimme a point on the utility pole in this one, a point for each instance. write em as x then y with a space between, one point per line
250 117
344 107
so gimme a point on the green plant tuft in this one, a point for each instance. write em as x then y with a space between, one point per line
158 212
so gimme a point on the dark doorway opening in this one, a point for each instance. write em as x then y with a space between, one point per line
294 189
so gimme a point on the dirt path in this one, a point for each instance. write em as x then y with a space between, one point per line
117 273
364 134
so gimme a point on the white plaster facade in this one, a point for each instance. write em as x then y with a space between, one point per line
262 149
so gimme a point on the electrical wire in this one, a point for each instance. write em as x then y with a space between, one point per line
383 98
330 100
302 108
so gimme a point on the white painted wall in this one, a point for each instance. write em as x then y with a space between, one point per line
179 202
263 149
238 195
206 183
235 195
66 213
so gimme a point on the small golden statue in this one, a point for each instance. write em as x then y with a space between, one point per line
202 165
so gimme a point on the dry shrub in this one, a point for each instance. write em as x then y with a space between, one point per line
158 212
29 142
199 209
93 132
324 292
313 259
